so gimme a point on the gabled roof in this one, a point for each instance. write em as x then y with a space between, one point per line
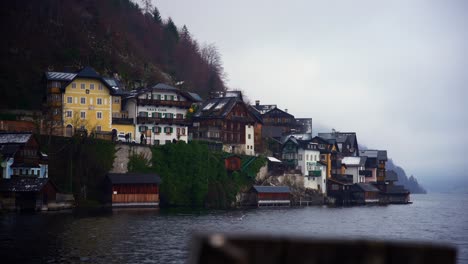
133 178
255 113
367 187
391 176
23 184
86 73
276 112
219 108
264 108
343 138
271 189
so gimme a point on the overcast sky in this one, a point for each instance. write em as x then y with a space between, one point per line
395 72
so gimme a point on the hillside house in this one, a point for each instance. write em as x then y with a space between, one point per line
160 113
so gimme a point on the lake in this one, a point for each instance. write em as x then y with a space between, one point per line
162 236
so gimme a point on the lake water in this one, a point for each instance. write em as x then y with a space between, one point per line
159 236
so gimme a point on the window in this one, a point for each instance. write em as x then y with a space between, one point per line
117 100
142 128
99 101
168 130
168 142
183 131
69 113
82 115
91 86
169 115
83 100
100 87
98 128
99 115
178 131
156 142
307 157
143 114
156 130
73 85
300 157
180 116
69 100
83 86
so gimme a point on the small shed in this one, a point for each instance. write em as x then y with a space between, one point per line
133 189
272 195
27 193
232 162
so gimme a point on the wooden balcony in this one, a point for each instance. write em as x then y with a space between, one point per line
53 90
157 120
154 102
122 121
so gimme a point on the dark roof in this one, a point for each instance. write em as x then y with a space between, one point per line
271 189
133 178
276 112
367 187
344 138
23 184
255 113
88 72
391 176
382 155
219 108
163 86
396 189
195 97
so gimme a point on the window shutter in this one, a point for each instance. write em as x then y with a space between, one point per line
171 129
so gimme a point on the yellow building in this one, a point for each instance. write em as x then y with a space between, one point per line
86 101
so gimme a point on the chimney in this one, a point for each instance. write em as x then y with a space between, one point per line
286 110
257 102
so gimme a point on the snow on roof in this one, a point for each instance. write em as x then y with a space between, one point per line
351 161
208 106
14 138
273 159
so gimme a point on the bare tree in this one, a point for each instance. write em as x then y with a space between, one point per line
211 55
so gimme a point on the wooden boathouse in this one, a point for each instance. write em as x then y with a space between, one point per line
271 195
132 189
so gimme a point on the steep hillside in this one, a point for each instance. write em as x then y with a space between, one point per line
113 36
410 183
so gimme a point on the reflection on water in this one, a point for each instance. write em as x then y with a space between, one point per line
160 236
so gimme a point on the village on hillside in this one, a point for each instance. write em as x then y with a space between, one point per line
301 169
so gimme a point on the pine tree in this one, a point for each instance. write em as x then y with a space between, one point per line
157 16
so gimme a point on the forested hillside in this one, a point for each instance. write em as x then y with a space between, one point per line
113 36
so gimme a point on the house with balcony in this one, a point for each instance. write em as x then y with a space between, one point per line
160 113
82 100
21 156
346 142
354 166
226 120
374 157
304 155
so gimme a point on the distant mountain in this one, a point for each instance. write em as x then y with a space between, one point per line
112 36
410 183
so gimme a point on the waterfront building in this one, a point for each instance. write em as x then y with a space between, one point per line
365 193
85 101
304 155
271 195
278 123
27 193
21 156
132 189
354 167
160 113
226 120
374 157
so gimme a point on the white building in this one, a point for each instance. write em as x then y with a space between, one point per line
355 166
308 161
160 114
